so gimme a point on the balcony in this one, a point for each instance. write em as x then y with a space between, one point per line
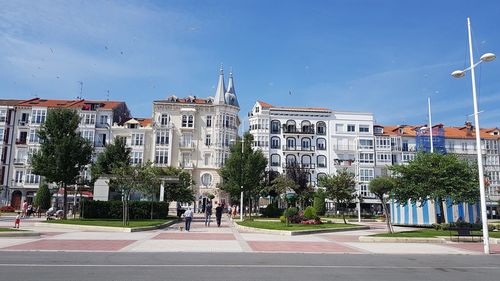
303 149
20 141
187 165
343 162
23 123
186 145
308 166
298 131
20 161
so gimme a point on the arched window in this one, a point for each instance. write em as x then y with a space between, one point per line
319 176
320 144
275 142
306 161
291 126
306 127
290 143
306 144
321 128
321 161
290 158
275 127
206 179
308 178
275 160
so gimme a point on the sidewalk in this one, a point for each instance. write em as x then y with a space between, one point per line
226 238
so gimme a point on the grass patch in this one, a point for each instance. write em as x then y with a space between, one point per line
112 223
426 233
282 226
9 229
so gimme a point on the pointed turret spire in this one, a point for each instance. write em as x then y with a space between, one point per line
231 98
221 88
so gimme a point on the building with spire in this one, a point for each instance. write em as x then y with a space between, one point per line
195 134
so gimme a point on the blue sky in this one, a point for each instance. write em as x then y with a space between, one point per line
383 57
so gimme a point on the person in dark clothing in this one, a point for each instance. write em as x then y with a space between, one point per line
218 214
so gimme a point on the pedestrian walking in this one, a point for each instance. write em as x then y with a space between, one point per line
188 216
218 214
234 211
208 213
18 220
24 209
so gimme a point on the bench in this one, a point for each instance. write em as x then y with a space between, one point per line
463 231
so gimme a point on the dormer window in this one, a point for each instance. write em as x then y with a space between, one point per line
401 131
257 109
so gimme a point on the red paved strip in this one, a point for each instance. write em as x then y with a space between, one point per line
342 238
73 245
476 247
195 236
301 247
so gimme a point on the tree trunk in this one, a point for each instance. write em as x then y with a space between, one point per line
343 214
441 209
387 215
65 200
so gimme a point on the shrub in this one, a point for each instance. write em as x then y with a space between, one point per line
271 211
310 213
319 202
43 197
113 210
7 209
290 212
282 219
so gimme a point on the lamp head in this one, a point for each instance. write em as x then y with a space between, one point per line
458 73
488 57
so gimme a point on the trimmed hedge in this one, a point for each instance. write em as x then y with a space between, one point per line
138 210
271 211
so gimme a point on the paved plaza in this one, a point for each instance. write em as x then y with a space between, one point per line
218 239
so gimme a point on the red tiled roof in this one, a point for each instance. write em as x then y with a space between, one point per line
449 132
267 105
69 103
9 102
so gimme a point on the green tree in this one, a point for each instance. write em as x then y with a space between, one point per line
340 188
43 197
245 170
116 154
63 152
181 190
381 187
436 177
283 184
300 176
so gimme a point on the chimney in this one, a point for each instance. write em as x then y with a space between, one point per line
469 128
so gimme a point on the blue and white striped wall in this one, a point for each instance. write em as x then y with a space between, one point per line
425 214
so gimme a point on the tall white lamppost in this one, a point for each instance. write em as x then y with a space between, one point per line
430 124
458 74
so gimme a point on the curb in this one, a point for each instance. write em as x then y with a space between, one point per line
299 232
107 228
402 240
19 234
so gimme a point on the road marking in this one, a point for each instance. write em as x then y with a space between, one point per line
248 265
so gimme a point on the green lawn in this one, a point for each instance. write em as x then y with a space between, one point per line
425 233
9 229
113 223
292 227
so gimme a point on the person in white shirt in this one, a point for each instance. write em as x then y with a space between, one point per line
188 216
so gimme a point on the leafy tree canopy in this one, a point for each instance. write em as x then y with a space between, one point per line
116 154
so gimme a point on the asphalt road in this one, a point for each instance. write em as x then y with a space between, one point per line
55 266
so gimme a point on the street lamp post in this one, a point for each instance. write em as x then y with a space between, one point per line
458 74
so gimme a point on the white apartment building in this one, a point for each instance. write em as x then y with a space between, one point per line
195 134
318 139
26 117
138 134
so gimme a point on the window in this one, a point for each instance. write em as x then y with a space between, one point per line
208 158
306 144
384 157
103 120
291 126
321 128
136 157
34 136
19 176
365 175
290 158
383 142
321 161
351 128
38 116
465 146
206 179
164 119
137 139
321 144
161 156
275 142
86 118
366 158
365 144
339 128
275 127
1 134
209 121
208 140
405 145
275 160
290 143
88 135
3 115
257 109
187 121
365 191
306 161
31 178
162 137
407 157
364 128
